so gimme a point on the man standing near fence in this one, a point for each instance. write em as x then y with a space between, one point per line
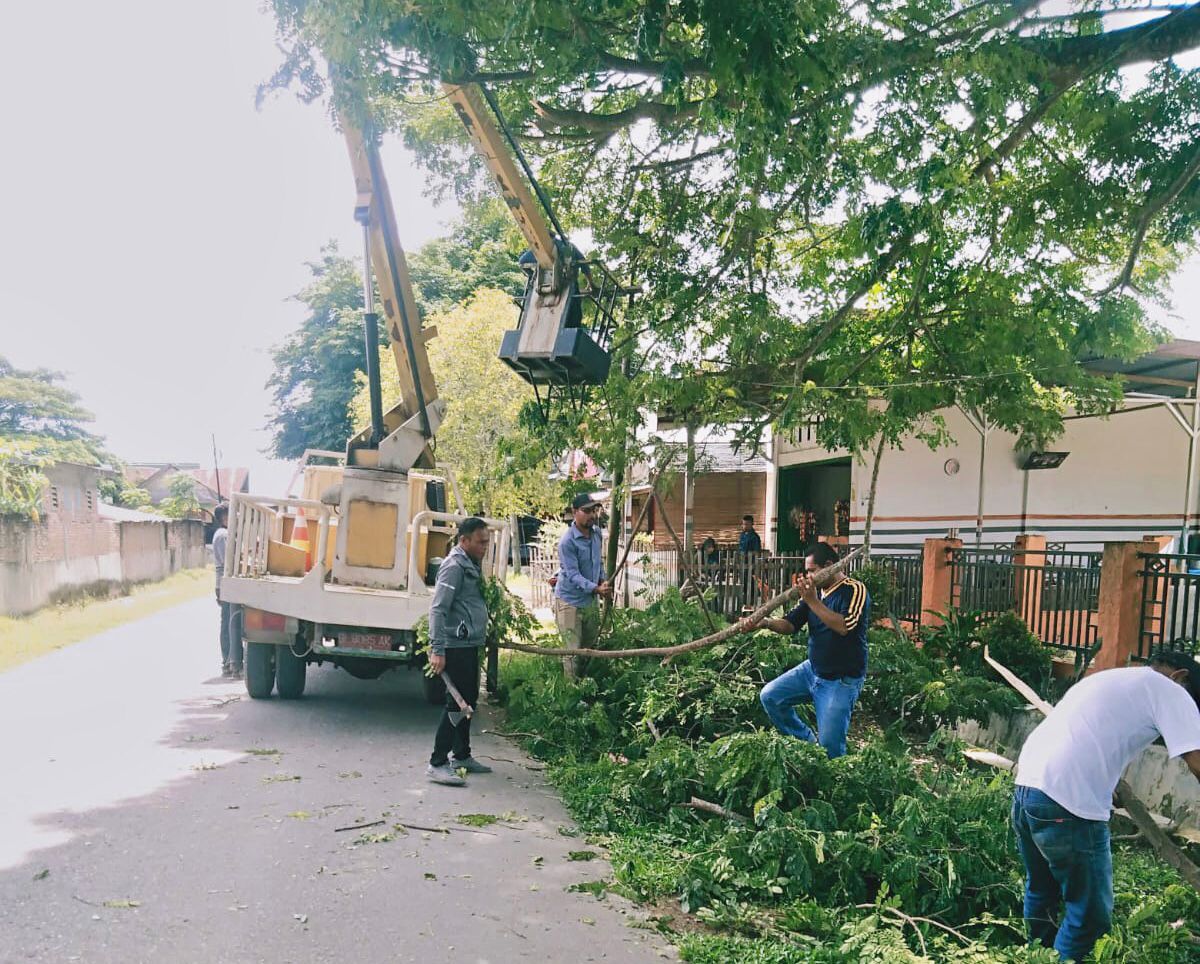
580 580
833 675
749 540
231 630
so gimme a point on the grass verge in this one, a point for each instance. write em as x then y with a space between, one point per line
28 637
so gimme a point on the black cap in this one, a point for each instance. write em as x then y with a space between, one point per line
583 501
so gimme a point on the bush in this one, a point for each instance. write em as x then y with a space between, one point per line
826 860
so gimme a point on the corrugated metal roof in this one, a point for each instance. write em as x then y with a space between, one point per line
118 513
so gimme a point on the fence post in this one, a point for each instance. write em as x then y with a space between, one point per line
937 583
1029 558
1119 618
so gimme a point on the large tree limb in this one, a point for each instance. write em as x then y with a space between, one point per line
1149 212
1162 845
821 578
552 117
1151 40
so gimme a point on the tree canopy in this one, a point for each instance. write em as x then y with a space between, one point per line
42 418
41 421
936 202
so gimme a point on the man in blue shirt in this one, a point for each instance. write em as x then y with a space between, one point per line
580 580
833 675
748 539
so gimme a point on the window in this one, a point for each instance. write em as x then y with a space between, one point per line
90 495
52 498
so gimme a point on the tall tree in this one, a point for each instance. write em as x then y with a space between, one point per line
42 417
41 421
480 251
937 201
313 381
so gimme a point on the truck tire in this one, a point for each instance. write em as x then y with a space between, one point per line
434 688
289 673
260 670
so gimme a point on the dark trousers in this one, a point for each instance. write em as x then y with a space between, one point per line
231 635
454 730
1068 861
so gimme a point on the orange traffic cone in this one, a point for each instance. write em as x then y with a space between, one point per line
300 538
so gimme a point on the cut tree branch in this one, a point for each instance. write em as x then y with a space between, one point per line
821 578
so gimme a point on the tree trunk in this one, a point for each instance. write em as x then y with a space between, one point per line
871 500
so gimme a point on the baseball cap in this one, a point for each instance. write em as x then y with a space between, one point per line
583 501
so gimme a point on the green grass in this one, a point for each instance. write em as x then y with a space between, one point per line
54 627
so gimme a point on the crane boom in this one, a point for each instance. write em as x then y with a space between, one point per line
550 346
419 412
468 102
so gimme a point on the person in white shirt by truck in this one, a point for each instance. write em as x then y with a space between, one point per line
1066 776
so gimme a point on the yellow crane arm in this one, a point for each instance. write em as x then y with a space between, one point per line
418 405
467 101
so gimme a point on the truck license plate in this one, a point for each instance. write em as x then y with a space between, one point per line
365 641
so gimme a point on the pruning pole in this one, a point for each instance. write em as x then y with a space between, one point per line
1160 843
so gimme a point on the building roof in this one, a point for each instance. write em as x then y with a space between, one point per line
118 513
1170 370
713 455
235 479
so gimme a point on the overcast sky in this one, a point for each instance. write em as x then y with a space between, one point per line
153 223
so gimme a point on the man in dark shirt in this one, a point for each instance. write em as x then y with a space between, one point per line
832 676
748 540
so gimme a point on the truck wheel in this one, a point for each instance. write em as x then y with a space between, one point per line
260 670
289 673
435 689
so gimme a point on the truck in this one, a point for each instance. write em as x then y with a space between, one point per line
344 572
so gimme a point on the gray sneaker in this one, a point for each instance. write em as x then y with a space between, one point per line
444 775
470 764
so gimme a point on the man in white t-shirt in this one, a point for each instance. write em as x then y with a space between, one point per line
1066 775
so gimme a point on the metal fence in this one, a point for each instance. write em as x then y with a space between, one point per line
1170 612
735 582
645 577
1056 591
904 566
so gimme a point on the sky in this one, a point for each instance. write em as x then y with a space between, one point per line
153 223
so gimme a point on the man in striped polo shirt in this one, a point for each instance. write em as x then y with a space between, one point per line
832 676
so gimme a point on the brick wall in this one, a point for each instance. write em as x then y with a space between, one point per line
74 549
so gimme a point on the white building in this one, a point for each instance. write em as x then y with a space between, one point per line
1122 477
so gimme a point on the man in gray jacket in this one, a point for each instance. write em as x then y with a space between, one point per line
458 621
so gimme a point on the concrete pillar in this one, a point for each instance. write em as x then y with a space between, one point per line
1119 619
770 509
689 491
937 588
1029 553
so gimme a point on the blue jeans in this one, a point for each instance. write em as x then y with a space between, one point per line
833 700
1067 859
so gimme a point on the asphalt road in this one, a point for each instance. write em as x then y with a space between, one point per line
142 818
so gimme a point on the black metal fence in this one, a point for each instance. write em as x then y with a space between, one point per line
904 566
740 582
1056 591
1170 613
